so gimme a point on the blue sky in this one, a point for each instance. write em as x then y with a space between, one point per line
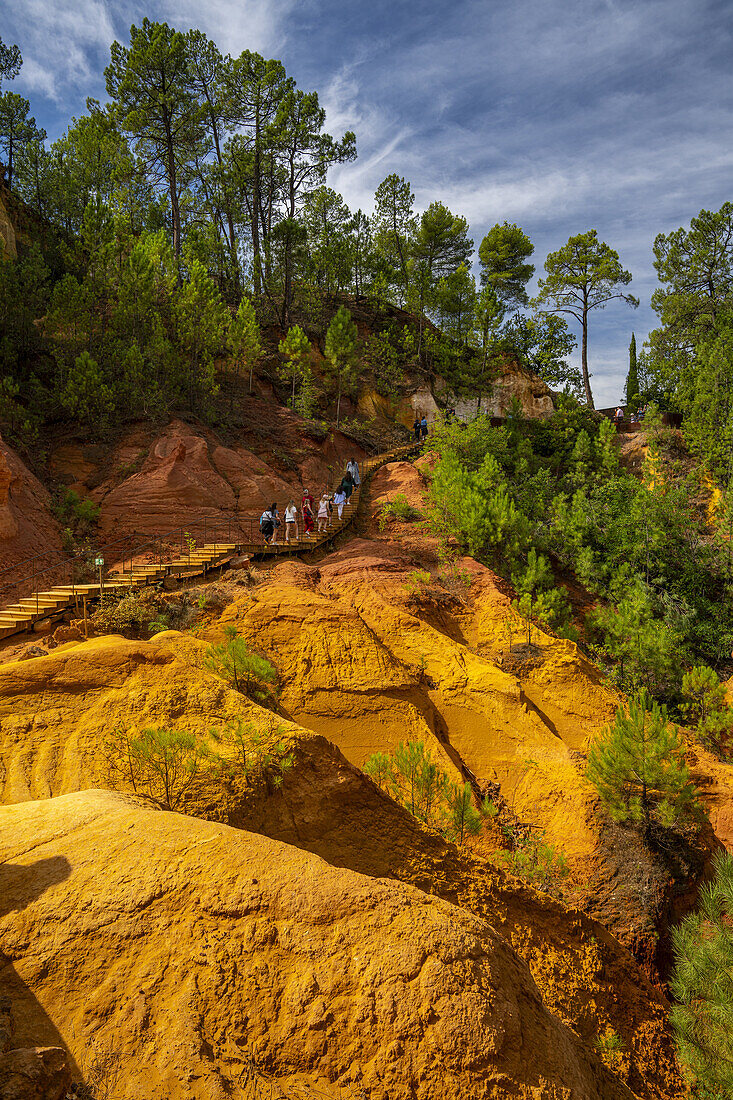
561 115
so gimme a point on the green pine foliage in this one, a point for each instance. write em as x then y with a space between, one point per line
244 338
585 274
157 763
295 348
417 782
245 670
705 706
702 985
643 549
341 348
637 766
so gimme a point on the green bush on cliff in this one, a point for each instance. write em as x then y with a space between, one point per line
158 763
241 667
702 984
637 765
417 782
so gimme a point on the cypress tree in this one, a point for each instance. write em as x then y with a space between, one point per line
632 378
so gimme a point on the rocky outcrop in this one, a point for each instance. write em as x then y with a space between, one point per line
7 231
26 524
55 716
514 382
194 951
31 1073
187 474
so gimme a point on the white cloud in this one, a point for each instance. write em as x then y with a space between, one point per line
61 44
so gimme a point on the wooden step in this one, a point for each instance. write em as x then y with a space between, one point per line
31 604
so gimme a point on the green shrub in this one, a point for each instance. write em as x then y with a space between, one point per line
241 667
398 510
702 984
255 752
417 782
533 860
637 765
135 610
705 706
159 764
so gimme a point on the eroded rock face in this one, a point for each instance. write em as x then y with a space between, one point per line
26 524
191 947
56 712
7 231
32 1073
186 474
515 382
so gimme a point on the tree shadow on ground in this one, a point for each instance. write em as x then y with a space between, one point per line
20 886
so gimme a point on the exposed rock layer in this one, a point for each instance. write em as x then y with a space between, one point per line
192 946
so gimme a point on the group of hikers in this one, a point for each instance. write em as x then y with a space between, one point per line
270 519
420 427
632 417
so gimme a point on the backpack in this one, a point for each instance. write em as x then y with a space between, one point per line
265 520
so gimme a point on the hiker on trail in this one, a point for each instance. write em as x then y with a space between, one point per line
269 523
416 427
347 485
424 427
619 415
323 514
352 468
339 499
291 521
307 508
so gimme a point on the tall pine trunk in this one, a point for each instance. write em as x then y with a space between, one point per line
586 376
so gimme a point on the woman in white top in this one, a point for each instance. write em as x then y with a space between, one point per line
323 514
291 521
339 500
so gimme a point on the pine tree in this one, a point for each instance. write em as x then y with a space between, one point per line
201 319
244 338
151 85
340 348
10 62
295 346
705 706
632 378
17 129
703 985
585 274
637 765
503 254
86 395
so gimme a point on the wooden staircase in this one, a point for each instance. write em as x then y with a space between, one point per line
21 616
52 604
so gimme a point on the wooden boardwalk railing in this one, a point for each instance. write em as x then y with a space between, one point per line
174 553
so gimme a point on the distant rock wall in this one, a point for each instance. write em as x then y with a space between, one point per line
534 394
7 232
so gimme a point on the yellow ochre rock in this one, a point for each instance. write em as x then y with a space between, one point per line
191 949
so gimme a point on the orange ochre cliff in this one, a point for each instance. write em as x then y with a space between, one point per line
309 937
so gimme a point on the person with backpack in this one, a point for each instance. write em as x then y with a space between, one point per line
346 486
352 468
416 428
424 427
291 521
267 525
